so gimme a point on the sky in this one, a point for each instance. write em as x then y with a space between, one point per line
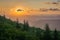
33 9
30 7
28 3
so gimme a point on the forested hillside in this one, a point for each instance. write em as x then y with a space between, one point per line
10 30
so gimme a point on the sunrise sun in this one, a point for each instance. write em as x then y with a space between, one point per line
19 11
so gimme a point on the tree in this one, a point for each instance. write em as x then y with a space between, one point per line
55 35
26 26
17 24
47 33
38 33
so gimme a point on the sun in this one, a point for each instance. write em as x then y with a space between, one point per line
19 11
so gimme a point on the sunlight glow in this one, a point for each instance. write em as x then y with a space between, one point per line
19 11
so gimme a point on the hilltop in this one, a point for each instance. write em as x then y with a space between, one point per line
10 30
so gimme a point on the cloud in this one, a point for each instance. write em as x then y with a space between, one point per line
43 9
51 3
54 3
50 9
54 9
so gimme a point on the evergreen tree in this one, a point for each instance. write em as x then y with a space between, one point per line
38 34
2 30
4 16
17 24
55 35
26 26
4 19
47 33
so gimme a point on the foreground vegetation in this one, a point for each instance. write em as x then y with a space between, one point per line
10 30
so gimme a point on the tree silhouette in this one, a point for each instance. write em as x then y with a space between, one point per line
55 35
9 31
2 20
47 33
26 26
38 34
17 24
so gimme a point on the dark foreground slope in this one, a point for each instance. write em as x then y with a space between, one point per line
10 30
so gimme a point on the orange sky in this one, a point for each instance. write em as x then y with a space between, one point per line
35 11
30 7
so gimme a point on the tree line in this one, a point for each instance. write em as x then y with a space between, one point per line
10 30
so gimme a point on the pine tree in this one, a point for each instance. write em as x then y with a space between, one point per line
38 34
17 24
2 25
55 35
26 26
2 21
47 33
